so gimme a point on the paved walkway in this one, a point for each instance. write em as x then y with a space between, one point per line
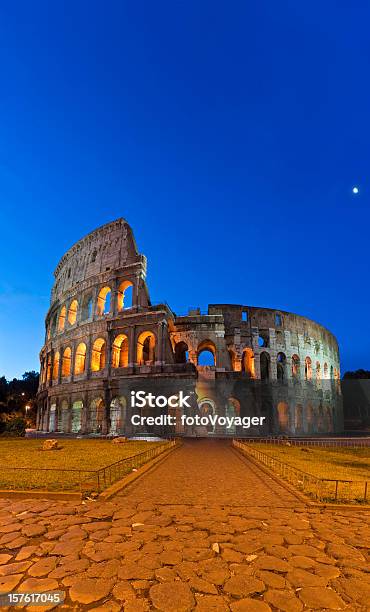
206 530
210 472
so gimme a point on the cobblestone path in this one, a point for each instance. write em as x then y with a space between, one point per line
205 531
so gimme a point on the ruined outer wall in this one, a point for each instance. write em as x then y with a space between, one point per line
109 247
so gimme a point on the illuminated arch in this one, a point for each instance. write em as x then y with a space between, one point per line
146 348
80 358
295 366
206 353
120 352
48 367
124 297
207 408
66 362
308 368
62 319
72 312
248 362
98 355
56 363
103 302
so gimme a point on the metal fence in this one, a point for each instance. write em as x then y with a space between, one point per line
81 480
321 489
324 442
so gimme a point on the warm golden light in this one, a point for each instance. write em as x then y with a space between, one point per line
146 348
62 319
56 365
120 352
80 358
121 295
98 355
66 362
103 302
72 312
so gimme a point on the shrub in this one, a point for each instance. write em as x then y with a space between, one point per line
16 427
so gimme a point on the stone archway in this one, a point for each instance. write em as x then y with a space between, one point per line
207 407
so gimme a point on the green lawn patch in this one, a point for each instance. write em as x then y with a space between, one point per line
66 467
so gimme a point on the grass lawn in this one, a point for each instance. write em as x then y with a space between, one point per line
74 454
331 463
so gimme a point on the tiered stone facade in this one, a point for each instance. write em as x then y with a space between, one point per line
104 339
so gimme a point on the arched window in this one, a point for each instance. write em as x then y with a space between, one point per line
248 362
326 371
308 368
56 365
263 339
298 418
63 422
54 325
265 366
318 373
72 312
48 368
146 348
295 366
206 353
76 416
66 362
80 358
124 297
278 319
87 307
98 355
280 366
181 352
97 410
120 352
62 319
103 305
283 416
232 411
117 415
310 426
43 371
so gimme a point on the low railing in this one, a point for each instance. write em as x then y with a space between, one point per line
82 480
108 475
327 442
321 489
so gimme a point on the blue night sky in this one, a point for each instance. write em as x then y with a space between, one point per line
228 134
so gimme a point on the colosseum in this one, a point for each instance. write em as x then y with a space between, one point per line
105 339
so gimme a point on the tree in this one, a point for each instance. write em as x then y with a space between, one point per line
358 374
